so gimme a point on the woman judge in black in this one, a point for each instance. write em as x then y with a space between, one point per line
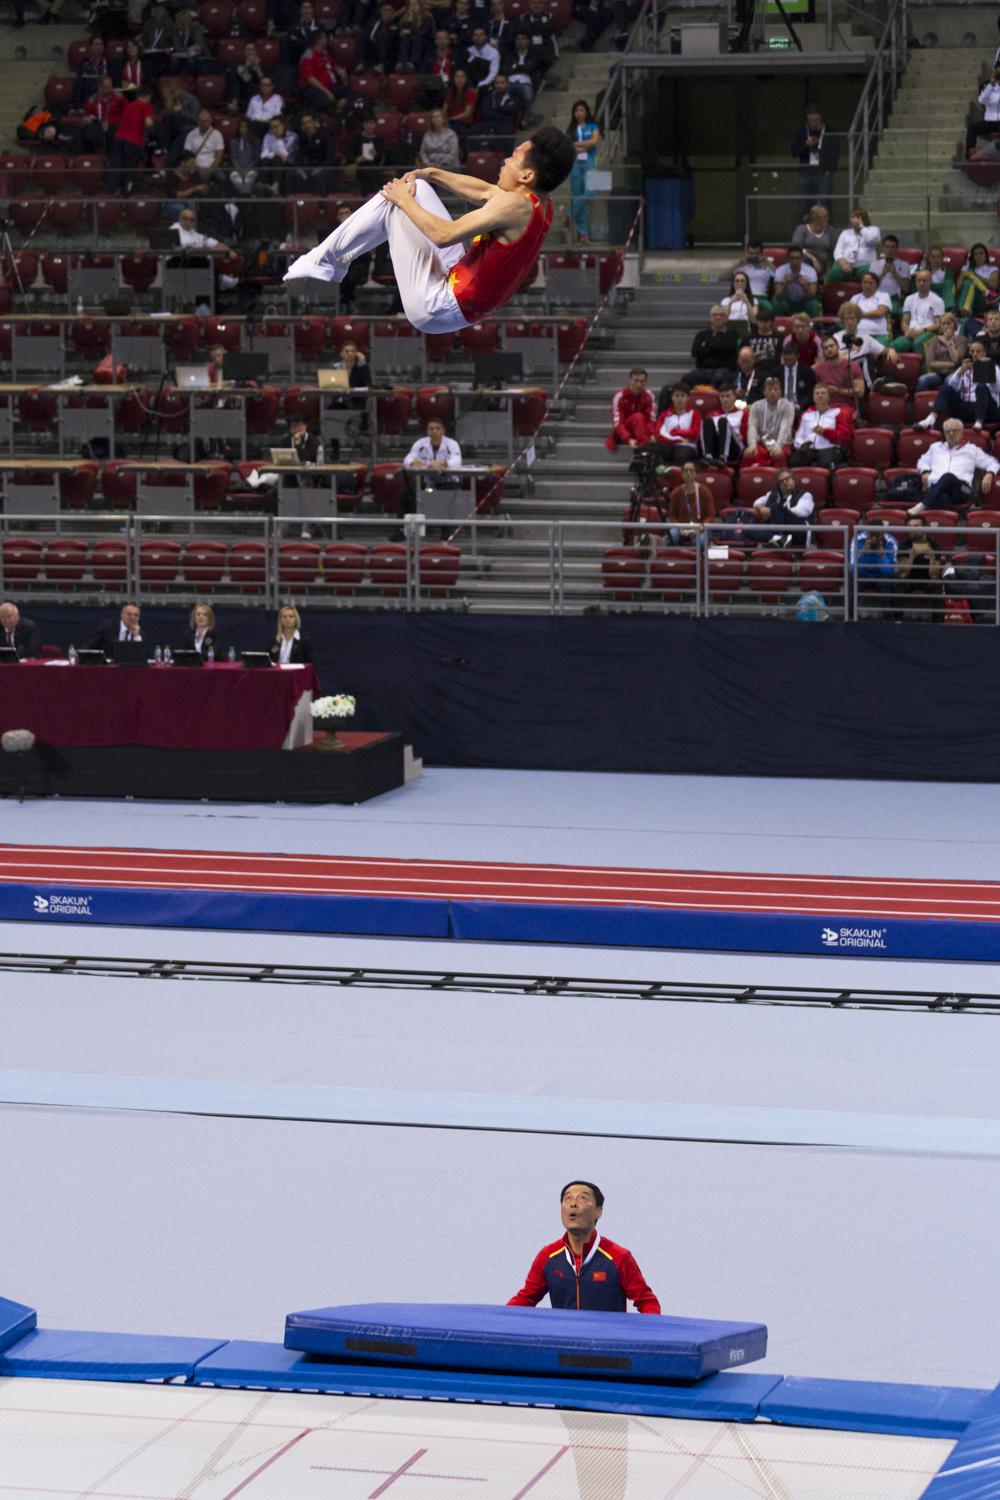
290 645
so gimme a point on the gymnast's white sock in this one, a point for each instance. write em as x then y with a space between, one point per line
363 230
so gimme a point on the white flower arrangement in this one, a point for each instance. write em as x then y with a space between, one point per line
334 706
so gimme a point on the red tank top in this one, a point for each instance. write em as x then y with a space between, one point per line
490 272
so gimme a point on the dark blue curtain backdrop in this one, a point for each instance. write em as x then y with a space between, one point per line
729 697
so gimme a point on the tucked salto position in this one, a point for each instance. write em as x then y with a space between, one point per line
583 1270
444 287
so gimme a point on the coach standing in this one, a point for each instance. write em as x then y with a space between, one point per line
583 1270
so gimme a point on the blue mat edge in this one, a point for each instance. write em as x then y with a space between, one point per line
18 1321
506 922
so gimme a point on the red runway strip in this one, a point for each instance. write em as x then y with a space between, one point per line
470 881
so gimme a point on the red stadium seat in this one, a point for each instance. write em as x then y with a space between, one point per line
528 413
611 267
302 215
77 486
253 14
224 331
817 482
954 257
479 338
344 565
210 90
327 12
387 486
304 404
108 214
946 520
394 411
979 520
887 411
754 484
891 516
672 572
836 293
725 575
912 442
832 527
417 122
230 51
109 564
823 571
76 52
434 401
143 214
310 337
38 408
770 574
248 565
204 563
854 488
923 404
159 562
183 337
910 368
342 329
720 482
387 125
484 164
227 126
369 84
387 569
298 565
49 173
22 560
623 570
703 400
14 173
215 16
59 93
262 410
871 448
439 568
27 214
55 270
400 91
65 561
571 336
211 485
438 346
88 174
66 214
342 49
118 486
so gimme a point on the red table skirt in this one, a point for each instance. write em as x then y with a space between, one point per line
219 707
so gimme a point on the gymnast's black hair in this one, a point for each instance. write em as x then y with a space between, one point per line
581 1182
551 157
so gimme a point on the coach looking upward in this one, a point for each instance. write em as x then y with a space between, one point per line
583 1270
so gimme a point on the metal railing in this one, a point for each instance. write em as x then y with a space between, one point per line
505 566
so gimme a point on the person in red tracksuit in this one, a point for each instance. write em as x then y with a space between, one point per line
633 400
583 1270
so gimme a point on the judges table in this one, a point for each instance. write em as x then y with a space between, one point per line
446 503
73 418
219 707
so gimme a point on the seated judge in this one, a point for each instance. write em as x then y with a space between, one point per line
583 1270
202 633
125 628
290 645
19 633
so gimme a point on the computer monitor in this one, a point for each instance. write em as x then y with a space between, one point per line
131 654
193 378
8 656
498 368
241 367
164 239
255 659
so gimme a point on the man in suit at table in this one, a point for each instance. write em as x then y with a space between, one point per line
19 633
125 628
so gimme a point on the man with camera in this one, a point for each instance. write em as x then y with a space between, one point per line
989 98
972 394
845 377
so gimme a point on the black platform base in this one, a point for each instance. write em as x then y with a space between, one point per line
138 771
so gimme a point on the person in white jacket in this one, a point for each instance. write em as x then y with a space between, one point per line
855 248
989 98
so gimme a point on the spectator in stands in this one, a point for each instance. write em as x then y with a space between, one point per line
289 644
190 238
748 383
861 346
322 83
856 246
306 444
918 564
795 286
216 358
482 59
844 377
522 67
785 506
741 309
873 306
541 27
247 77
797 379
416 39
594 14
130 73
943 354
179 118
823 432
297 41
316 159
692 505
49 11
442 65
714 353
129 145
183 184
103 112
921 318
975 281
188 54
941 278
990 335
634 400
873 560
265 106
460 104
499 26
818 153
989 98
769 427
758 268
723 432
380 40
366 154
358 372
674 435
764 340
625 13
583 131
110 632
439 147
498 112
893 274
459 25
278 155
816 238
18 633
202 633
948 470
93 66
206 145
966 396
157 42
435 454
808 345
244 156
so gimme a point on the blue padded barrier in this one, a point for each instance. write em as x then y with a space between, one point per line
537 1340
63 1355
15 1321
972 1469
873 1406
270 1367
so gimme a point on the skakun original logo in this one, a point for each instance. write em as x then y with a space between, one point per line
63 906
855 937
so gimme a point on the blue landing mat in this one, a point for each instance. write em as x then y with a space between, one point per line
972 1469
547 1341
872 1406
15 1321
269 1367
62 1355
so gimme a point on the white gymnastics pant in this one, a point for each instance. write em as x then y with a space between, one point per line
421 267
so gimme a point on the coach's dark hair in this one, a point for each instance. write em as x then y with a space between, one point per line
582 1182
551 158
